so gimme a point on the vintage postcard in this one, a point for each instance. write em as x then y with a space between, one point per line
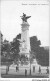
24 39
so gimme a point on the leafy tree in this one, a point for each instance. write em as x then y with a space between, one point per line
1 42
19 36
5 49
42 57
12 49
41 54
35 43
15 47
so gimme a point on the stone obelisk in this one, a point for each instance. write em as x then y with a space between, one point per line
25 40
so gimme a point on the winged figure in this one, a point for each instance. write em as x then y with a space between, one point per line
24 17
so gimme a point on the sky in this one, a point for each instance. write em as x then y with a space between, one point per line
11 10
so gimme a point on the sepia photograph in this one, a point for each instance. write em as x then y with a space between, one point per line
24 39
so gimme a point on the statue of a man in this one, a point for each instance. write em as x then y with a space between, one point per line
24 17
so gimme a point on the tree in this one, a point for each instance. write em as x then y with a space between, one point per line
6 49
35 43
19 36
41 54
1 42
42 57
15 47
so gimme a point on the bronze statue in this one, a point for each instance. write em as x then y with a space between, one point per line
24 17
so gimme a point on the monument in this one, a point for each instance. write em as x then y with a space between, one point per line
25 40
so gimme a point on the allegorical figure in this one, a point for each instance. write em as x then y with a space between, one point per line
24 17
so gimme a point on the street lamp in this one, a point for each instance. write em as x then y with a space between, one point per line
30 67
30 61
29 57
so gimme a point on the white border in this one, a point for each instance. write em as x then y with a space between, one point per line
25 79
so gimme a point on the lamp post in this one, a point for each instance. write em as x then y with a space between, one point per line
30 61
29 57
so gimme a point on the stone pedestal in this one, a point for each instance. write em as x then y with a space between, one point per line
25 40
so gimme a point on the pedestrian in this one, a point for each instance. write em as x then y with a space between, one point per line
34 69
8 67
6 70
25 72
47 70
39 69
16 68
